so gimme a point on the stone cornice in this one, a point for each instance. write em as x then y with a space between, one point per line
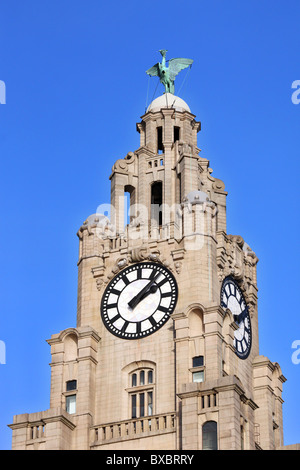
49 416
223 384
80 332
62 419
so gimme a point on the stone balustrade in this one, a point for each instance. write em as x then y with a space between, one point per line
133 428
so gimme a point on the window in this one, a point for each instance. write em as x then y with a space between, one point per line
198 376
71 385
156 202
209 436
71 404
242 437
141 393
133 406
129 202
198 361
198 369
133 380
150 404
142 404
176 133
160 147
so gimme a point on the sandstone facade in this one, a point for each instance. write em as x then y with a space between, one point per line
217 401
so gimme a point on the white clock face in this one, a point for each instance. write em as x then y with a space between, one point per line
232 298
139 300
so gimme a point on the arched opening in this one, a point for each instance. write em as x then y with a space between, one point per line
70 344
129 201
176 133
210 436
156 202
160 147
196 322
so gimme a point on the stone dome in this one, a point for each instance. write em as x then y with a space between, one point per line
96 220
167 100
197 197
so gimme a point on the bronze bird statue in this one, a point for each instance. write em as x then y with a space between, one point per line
166 73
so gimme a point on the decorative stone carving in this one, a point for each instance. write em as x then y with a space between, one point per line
218 185
185 149
136 255
235 258
122 164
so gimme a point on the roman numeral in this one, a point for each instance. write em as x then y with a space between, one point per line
163 309
125 280
152 321
112 320
225 292
166 294
111 305
161 283
153 274
139 273
232 289
115 291
124 326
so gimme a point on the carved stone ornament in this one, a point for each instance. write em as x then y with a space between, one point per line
136 255
236 259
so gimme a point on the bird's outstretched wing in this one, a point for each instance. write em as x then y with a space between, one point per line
176 65
154 71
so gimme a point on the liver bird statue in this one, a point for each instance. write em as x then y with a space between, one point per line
166 73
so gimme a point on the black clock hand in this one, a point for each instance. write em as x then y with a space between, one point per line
152 290
146 290
241 316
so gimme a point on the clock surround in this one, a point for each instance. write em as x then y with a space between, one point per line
126 315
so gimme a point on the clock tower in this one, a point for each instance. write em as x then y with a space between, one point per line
165 353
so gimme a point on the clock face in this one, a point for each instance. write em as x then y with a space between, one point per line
232 298
139 300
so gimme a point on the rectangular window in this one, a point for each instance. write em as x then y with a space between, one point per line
160 147
133 380
198 361
133 406
150 377
176 133
142 377
71 404
198 376
150 403
71 385
142 404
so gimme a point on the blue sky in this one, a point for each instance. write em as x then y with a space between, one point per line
75 87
